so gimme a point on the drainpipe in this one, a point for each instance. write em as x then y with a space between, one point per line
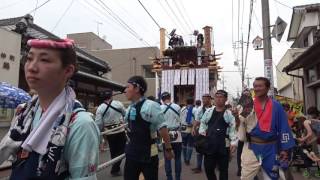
304 97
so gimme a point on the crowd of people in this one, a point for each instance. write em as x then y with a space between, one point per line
54 137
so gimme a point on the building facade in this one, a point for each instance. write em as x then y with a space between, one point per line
10 56
290 86
92 71
305 32
124 62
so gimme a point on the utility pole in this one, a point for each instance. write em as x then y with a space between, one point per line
248 80
242 64
267 51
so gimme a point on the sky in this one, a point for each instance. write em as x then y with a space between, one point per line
63 17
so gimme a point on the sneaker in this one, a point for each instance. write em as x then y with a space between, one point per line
306 173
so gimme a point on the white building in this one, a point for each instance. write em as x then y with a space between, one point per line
290 86
9 56
305 32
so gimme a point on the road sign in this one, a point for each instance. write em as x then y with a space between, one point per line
279 28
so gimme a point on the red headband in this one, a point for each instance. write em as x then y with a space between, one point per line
46 43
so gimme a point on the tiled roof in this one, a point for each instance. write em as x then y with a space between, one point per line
36 31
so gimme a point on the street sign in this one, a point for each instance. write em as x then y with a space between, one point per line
279 28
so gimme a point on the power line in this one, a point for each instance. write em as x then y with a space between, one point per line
39 7
96 10
283 4
168 14
34 14
187 14
149 15
242 15
120 21
134 19
248 39
62 16
87 4
103 17
174 14
10 5
181 14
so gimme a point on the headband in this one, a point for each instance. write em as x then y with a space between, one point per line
47 43
137 84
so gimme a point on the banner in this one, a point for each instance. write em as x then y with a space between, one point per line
295 105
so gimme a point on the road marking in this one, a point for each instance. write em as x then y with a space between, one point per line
161 163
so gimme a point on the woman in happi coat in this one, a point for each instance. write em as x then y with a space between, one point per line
51 137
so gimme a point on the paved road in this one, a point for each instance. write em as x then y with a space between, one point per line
186 171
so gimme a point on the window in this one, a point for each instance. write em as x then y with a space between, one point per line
318 98
312 75
147 69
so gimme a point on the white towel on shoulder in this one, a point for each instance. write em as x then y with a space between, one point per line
39 137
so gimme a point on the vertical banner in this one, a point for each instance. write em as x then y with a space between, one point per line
157 85
164 81
198 79
202 82
206 81
184 76
191 76
177 76
171 82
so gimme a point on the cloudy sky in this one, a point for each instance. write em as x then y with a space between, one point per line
72 16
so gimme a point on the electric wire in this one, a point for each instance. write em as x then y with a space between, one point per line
106 18
63 15
248 38
168 14
149 14
134 19
283 4
181 14
35 9
187 14
175 15
120 21
10 5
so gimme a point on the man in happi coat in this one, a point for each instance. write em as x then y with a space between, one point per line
266 134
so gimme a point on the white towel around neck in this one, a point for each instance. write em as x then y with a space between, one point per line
39 137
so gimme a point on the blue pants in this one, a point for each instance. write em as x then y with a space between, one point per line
268 154
176 147
199 160
187 146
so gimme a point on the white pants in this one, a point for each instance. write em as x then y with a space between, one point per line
250 165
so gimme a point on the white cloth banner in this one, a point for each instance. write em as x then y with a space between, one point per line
191 76
163 81
171 82
167 82
184 76
202 82
177 76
